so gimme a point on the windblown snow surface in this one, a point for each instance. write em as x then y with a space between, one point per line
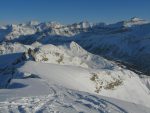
62 89
62 100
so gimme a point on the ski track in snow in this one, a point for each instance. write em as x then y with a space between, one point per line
64 100
60 101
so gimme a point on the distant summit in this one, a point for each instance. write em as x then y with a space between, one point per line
135 19
129 23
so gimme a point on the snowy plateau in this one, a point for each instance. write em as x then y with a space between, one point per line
77 68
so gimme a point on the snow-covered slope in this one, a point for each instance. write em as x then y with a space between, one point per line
52 92
60 99
146 81
125 82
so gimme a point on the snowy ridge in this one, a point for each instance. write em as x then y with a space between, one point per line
72 55
8 48
12 32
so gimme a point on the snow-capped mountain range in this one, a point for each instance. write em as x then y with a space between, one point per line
82 67
125 41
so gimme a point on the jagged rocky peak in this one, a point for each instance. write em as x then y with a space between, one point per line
85 24
55 25
75 48
13 27
51 25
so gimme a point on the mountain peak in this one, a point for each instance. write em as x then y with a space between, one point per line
85 24
129 23
135 19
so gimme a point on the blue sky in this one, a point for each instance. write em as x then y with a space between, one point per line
69 11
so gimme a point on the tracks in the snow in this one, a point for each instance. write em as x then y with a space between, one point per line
60 99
